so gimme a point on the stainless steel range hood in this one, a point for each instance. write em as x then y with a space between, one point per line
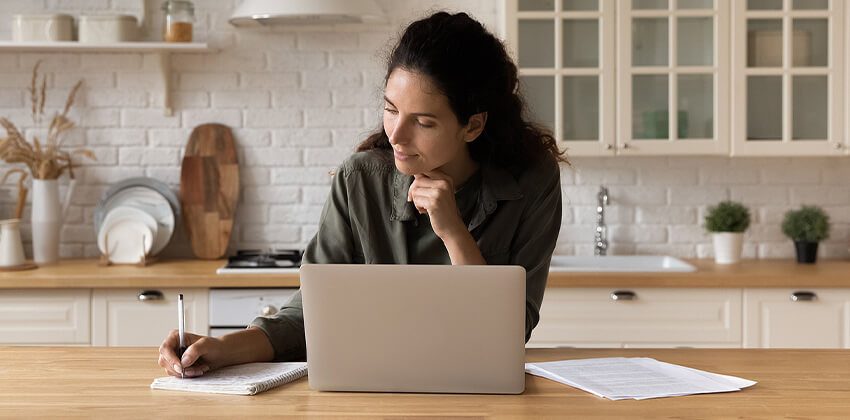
305 12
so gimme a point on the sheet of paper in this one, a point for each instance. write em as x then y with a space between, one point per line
638 377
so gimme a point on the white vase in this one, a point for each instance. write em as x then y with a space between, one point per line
47 216
727 247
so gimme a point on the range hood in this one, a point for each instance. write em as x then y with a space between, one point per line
305 12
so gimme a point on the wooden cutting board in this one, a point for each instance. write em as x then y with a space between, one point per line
209 189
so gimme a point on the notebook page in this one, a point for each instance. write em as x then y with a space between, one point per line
245 379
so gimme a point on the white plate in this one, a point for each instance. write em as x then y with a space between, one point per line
118 216
126 239
153 203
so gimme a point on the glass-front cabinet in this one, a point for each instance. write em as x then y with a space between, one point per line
673 77
695 77
788 78
566 57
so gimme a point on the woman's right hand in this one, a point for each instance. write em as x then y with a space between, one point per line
203 354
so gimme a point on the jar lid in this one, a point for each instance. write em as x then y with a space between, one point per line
110 18
172 5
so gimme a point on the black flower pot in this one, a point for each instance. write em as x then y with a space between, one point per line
807 252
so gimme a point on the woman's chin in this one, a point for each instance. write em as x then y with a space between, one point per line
406 168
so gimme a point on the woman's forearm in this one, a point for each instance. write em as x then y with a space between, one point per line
463 250
250 345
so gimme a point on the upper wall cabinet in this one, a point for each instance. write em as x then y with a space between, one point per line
788 78
685 77
566 56
673 77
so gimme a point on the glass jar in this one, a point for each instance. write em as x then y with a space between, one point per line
179 16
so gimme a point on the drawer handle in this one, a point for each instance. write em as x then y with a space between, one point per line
623 295
803 296
269 310
149 295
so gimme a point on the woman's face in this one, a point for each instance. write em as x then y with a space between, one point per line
423 131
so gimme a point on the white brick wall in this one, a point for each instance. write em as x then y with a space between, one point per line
300 99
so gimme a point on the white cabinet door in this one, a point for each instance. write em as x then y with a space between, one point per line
45 316
134 317
797 318
585 317
673 77
788 72
565 52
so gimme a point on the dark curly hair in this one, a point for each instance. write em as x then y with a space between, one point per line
472 68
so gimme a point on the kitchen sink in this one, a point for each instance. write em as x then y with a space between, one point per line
619 263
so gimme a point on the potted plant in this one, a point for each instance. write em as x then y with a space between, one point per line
46 161
727 222
806 227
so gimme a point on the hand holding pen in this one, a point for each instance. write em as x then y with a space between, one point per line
181 350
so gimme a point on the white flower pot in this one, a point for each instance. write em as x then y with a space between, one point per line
47 216
728 247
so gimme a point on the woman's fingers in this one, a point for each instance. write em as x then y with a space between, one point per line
168 353
172 364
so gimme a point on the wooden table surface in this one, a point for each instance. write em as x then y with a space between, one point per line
86 273
115 383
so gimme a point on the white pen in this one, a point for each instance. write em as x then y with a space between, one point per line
181 325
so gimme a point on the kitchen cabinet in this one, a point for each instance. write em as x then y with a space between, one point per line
669 61
657 317
38 316
673 77
797 318
133 317
789 78
685 77
565 51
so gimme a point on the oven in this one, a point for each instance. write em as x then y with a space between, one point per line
232 309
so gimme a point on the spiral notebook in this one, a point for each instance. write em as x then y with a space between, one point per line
245 379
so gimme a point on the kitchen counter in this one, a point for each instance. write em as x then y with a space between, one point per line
115 383
86 273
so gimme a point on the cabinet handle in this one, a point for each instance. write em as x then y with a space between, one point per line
148 295
623 295
269 310
803 296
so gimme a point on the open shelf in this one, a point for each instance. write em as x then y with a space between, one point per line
162 49
113 47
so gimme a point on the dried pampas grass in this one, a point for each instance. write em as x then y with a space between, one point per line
45 161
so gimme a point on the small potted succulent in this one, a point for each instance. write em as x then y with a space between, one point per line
727 222
806 227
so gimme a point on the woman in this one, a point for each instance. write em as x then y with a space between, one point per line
455 176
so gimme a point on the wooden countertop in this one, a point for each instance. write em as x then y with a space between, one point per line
199 273
115 383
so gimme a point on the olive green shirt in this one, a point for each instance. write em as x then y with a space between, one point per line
368 220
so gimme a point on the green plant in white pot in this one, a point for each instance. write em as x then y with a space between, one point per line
727 222
806 227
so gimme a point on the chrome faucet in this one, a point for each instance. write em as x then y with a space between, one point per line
601 238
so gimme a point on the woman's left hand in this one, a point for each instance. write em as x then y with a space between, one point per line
434 193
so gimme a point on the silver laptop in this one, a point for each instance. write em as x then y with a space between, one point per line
415 328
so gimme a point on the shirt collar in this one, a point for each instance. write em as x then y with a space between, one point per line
497 184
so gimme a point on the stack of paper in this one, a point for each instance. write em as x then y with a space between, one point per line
618 378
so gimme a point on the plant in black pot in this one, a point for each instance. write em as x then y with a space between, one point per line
727 222
806 227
